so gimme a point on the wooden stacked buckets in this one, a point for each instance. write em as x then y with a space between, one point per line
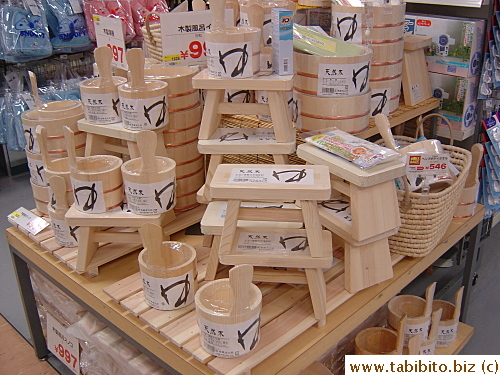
382 26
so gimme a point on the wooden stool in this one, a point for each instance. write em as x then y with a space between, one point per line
122 238
416 81
107 140
364 216
278 141
270 246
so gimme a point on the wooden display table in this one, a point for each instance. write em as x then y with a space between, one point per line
297 353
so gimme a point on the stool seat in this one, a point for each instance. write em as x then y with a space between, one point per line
348 171
265 81
245 141
274 182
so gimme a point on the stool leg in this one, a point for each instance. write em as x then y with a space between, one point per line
211 116
317 289
207 240
86 248
213 259
281 159
280 115
94 145
133 149
367 265
313 228
203 195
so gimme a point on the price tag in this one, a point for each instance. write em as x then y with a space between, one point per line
63 345
27 220
76 6
33 6
425 164
109 32
183 36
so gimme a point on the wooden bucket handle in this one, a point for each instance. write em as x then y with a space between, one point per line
420 125
148 28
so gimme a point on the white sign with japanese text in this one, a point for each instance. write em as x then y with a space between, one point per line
109 32
63 345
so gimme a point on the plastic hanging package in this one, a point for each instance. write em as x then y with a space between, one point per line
24 33
67 26
115 8
14 105
2 125
141 9
94 7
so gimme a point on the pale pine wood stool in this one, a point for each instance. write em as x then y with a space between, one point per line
309 248
114 139
278 141
363 211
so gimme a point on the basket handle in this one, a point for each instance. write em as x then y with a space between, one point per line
420 125
148 28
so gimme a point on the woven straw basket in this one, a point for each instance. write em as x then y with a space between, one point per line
152 38
425 221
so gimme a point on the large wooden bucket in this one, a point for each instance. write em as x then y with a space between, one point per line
41 196
36 168
390 89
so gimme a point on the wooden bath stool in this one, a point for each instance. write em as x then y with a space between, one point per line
271 246
363 211
278 141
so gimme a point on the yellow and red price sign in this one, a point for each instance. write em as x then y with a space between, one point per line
109 32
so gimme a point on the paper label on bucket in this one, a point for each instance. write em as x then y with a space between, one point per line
229 60
89 196
263 98
446 335
65 235
416 329
229 340
101 108
168 293
339 208
250 135
347 27
143 114
272 243
37 172
31 141
150 199
301 176
380 101
429 349
340 80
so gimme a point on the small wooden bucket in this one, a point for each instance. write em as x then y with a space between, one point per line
64 234
181 95
101 104
56 143
350 114
413 307
144 109
154 197
60 167
36 168
246 41
332 76
97 183
41 196
448 326
213 306
376 341
172 287
390 88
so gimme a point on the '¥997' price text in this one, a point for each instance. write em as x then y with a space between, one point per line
117 53
66 356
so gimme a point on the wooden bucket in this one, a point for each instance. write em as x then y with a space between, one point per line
36 168
391 52
56 144
332 76
390 88
60 110
144 109
213 305
172 287
64 234
182 120
386 69
188 185
181 95
101 104
97 183
448 326
246 39
154 197
41 196
413 307
350 114
376 341
60 167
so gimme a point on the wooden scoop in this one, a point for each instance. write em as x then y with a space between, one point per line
240 279
477 155
384 128
414 344
256 18
103 56
41 137
436 317
458 302
69 135
135 61
152 238
146 141
58 187
218 8
401 335
34 89
429 297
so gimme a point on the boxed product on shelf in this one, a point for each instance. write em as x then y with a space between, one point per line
458 102
457 43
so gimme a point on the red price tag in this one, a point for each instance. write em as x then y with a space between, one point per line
63 345
66 356
117 53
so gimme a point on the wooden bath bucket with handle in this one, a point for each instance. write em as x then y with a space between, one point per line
380 341
448 325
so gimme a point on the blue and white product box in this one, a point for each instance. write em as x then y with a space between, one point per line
282 41
458 102
457 43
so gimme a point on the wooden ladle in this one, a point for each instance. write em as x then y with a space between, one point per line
152 238
103 57
146 142
240 280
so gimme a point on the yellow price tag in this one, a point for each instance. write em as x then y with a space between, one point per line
172 58
96 18
15 214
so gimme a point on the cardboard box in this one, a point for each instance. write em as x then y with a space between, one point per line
282 42
458 102
457 43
